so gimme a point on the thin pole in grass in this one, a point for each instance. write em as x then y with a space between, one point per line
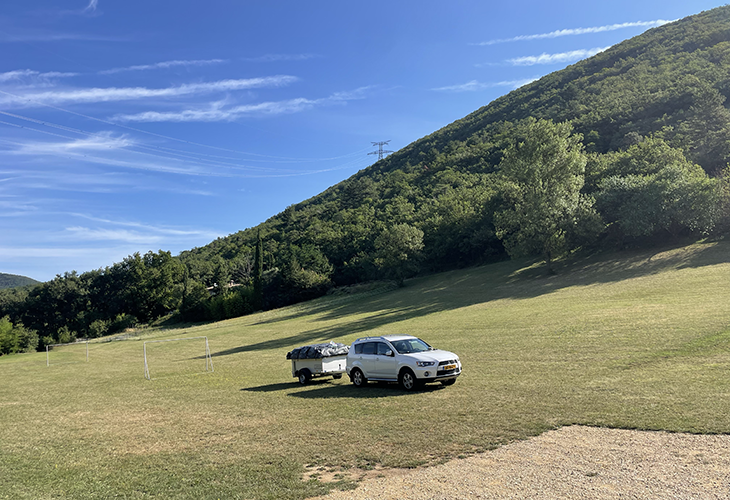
208 357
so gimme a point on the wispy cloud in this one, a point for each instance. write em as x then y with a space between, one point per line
156 237
578 31
30 76
88 234
559 58
221 111
42 175
135 93
98 142
216 112
163 65
98 243
60 164
91 10
474 85
281 57
105 229
93 4
54 252
59 37
350 95
137 227
14 207
116 156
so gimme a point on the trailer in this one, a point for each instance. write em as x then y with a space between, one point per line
318 360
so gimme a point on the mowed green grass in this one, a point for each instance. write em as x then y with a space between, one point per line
634 340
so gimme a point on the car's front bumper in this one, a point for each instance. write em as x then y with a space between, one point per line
435 374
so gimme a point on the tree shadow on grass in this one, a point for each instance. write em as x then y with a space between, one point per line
458 289
325 334
322 304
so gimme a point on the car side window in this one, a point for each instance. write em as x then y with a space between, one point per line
383 349
358 348
368 348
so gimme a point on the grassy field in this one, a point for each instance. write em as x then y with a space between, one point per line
633 340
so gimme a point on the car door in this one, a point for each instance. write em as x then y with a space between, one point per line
368 359
385 362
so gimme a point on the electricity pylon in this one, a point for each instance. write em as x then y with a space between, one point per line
380 152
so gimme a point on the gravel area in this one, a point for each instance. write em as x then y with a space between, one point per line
571 462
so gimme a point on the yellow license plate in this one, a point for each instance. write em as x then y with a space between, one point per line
450 367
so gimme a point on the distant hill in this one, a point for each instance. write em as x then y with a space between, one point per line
13 281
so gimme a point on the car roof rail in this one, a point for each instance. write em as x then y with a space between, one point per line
368 338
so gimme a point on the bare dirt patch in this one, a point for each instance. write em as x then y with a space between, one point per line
571 462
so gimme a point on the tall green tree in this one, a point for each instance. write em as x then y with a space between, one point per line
258 273
542 175
397 251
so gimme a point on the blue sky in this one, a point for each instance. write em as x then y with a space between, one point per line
128 126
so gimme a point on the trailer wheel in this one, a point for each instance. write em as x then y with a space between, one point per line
337 376
304 376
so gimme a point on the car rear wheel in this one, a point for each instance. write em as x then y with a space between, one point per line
408 380
357 378
304 376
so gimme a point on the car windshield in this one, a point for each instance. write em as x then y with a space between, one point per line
409 346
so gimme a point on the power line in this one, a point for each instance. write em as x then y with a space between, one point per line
265 172
177 153
270 158
380 152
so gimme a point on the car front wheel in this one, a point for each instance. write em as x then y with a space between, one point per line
408 380
357 378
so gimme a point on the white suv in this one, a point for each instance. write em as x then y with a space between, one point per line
404 359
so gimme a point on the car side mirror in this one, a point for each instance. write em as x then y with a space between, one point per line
390 353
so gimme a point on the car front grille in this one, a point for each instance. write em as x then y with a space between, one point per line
444 363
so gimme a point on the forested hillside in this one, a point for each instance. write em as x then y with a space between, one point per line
14 280
627 148
652 102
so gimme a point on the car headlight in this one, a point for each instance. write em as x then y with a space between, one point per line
425 363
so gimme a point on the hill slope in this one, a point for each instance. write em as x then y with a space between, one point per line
670 83
13 281
665 80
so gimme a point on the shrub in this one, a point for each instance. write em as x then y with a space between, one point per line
16 338
98 328
121 323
